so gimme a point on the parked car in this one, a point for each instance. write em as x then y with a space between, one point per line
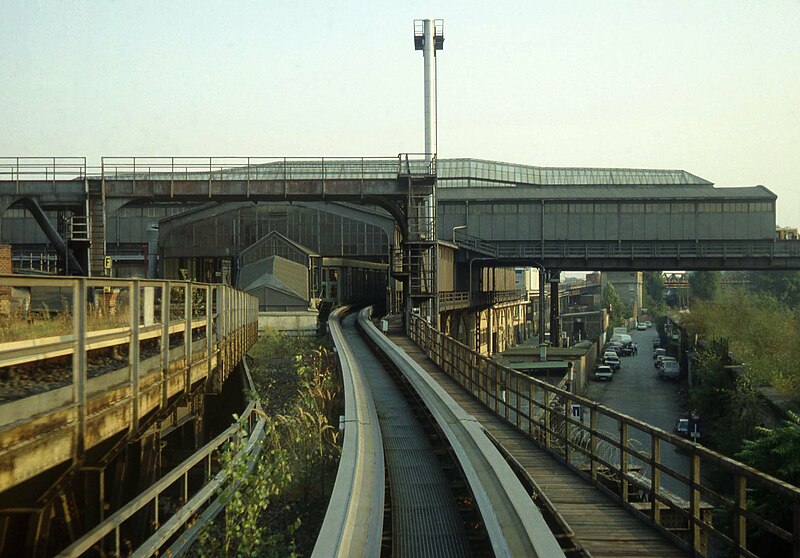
656 342
603 373
641 326
661 359
648 324
670 370
614 346
623 338
685 426
681 427
611 359
658 352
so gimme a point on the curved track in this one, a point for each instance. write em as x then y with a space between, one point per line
425 517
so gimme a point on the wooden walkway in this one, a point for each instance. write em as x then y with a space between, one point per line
600 525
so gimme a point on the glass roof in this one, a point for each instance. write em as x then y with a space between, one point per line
450 172
489 173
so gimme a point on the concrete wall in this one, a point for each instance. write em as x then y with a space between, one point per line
498 279
301 322
447 257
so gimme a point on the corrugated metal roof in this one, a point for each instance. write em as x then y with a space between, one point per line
488 173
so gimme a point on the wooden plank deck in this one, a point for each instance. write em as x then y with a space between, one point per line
600 525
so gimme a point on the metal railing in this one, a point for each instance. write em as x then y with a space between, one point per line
648 249
265 168
79 228
474 243
622 455
248 424
215 322
454 300
48 169
538 250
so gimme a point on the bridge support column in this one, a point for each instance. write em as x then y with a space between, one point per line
542 303
555 314
490 337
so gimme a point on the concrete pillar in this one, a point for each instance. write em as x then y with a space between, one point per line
149 305
542 303
490 332
555 315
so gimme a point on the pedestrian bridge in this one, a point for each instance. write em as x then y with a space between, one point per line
556 218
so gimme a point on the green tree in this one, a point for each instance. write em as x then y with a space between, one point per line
704 285
759 332
783 285
728 402
613 305
775 451
654 292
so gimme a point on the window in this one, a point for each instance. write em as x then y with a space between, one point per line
682 207
708 207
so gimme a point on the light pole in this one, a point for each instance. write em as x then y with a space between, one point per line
457 227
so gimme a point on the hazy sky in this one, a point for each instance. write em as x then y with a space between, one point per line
710 87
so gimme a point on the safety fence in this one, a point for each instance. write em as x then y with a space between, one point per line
705 509
265 168
196 513
455 300
650 248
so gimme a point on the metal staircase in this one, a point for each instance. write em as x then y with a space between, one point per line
97 233
420 250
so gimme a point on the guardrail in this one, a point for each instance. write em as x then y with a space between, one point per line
216 324
648 249
626 463
186 515
353 524
265 168
454 300
514 525
48 169
54 169
580 249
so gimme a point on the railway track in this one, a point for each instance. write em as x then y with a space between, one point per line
418 476
30 374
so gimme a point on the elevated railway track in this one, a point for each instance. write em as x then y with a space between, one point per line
125 361
608 485
424 518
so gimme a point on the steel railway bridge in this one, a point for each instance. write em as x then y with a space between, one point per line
519 216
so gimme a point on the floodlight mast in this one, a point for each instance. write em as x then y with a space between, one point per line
429 37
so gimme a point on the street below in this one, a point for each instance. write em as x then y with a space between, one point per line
637 391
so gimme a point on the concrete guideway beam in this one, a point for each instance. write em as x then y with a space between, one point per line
515 525
353 523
